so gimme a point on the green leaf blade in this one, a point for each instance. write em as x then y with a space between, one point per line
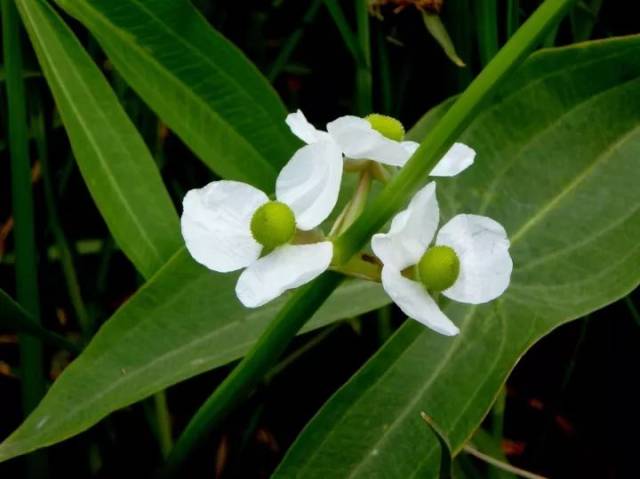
558 166
197 82
184 321
113 159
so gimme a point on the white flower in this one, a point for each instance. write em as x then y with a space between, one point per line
228 225
358 139
469 261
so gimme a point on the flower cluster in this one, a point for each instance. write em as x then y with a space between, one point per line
229 225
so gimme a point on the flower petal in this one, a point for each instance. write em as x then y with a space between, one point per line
286 267
410 147
304 130
411 231
414 301
457 159
310 182
358 140
482 247
216 223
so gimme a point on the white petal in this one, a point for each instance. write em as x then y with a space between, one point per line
411 231
286 267
410 146
216 223
310 182
358 140
414 301
303 129
482 247
457 159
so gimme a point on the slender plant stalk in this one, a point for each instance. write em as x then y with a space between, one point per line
306 300
349 39
33 385
384 72
513 17
500 464
364 79
415 173
635 314
64 251
550 39
293 40
460 26
163 421
487 29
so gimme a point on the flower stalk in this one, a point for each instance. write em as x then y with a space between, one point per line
306 300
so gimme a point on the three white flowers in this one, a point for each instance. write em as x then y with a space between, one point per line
229 225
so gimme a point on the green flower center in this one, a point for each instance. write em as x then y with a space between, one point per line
438 268
273 224
387 126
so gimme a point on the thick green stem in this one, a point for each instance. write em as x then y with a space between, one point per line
254 366
415 173
33 385
364 80
306 300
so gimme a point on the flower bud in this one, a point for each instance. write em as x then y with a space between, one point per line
273 224
387 126
438 268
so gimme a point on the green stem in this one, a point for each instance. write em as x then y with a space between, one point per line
635 314
163 422
355 205
364 81
306 300
64 251
33 385
384 70
487 29
513 17
243 379
349 39
550 39
292 42
415 173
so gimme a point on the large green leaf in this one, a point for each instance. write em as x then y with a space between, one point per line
558 164
184 321
197 82
115 163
